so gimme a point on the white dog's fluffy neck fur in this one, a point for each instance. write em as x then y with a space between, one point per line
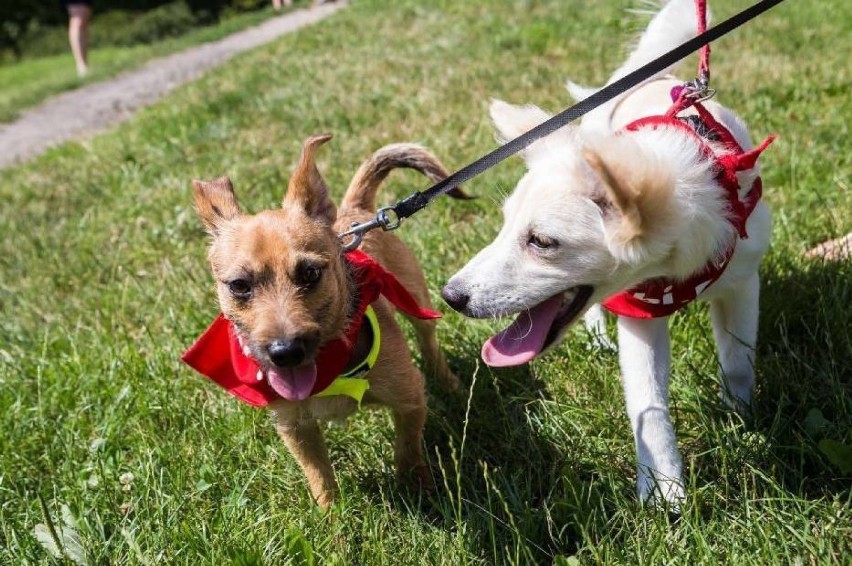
683 224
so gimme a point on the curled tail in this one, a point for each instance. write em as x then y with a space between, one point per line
676 23
365 184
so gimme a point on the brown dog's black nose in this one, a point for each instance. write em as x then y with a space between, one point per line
455 296
286 353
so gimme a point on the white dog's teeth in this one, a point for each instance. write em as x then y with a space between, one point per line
259 375
246 350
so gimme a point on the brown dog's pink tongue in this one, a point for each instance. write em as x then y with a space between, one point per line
523 339
294 384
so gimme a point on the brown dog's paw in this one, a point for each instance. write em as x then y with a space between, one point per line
451 382
325 499
419 476
422 477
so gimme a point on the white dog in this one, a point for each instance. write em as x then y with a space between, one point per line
604 211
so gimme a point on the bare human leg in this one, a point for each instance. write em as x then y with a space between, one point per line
78 35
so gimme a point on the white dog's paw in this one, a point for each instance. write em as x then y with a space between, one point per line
660 490
739 401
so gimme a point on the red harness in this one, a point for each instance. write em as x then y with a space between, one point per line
218 355
661 297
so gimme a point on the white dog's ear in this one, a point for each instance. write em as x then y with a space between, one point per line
617 193
511 121
579 92
636 188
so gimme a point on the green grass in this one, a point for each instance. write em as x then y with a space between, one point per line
26 83
104 283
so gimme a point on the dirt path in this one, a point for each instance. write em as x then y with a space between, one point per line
94 108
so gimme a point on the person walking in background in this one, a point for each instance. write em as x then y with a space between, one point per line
277 3
79 14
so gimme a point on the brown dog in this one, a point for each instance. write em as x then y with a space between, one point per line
289 293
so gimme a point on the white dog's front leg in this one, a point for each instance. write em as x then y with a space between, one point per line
734 316
643 349
595 321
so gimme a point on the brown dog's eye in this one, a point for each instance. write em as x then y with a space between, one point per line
309 275
541 242
240 288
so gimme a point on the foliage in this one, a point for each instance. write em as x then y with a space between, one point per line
17 18
169 20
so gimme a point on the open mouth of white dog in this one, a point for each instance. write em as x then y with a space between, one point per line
534 330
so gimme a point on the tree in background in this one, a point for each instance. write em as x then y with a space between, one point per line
17 17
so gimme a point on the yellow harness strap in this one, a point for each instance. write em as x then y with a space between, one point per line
349 383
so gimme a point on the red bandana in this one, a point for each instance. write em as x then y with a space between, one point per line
217 354
662 297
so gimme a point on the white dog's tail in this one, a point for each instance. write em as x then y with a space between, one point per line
676 23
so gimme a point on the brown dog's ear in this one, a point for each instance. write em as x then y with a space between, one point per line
215 203
307 188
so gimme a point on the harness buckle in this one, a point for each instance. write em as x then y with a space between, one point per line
698 90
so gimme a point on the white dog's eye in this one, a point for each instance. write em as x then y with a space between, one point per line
541 242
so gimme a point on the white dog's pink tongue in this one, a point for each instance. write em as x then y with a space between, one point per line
294 384
524 338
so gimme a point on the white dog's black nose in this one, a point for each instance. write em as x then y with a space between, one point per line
286 353
456 296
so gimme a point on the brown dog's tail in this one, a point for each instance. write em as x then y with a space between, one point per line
365 184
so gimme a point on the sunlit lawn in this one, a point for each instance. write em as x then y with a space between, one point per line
103 283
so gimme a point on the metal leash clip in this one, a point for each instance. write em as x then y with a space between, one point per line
386 218
699 90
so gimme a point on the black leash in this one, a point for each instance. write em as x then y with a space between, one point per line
390 217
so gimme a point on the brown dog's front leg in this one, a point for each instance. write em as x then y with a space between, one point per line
305 441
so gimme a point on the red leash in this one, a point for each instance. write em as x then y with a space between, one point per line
704 54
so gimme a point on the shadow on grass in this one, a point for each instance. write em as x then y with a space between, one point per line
544 506
802 390
519 497
516 495
805 356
